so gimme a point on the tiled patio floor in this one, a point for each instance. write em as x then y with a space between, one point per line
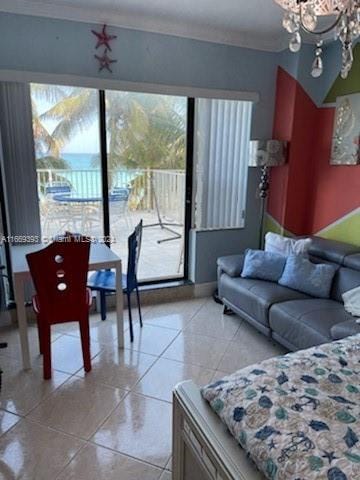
157 260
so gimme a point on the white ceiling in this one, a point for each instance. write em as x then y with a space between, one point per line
248 23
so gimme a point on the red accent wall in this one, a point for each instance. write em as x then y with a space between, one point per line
308 194
336 188
282 130
295 119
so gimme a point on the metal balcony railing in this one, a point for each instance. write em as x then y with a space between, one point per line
146 186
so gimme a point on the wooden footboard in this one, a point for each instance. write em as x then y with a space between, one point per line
203 449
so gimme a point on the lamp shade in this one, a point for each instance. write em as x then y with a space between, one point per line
269 153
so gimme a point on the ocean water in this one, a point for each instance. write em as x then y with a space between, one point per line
78 161
84 174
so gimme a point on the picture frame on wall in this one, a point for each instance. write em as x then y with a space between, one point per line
346 135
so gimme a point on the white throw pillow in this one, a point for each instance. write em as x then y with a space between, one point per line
286 246
352 301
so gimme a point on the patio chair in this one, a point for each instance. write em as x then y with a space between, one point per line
121 192
56 188
55 216
59 273
119 200
103 281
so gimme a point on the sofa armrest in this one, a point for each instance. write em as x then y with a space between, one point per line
345 329
231 264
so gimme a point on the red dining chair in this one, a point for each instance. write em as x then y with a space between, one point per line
59 273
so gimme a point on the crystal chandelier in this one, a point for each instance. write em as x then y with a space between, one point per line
304 15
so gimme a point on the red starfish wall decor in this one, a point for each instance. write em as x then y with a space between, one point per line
104 61
103 38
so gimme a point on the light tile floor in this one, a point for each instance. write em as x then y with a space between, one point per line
115 422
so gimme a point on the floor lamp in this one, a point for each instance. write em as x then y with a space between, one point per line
266 154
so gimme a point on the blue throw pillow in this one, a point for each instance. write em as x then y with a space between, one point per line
307 277
263 265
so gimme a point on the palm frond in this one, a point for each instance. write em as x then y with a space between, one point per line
49 93
75 115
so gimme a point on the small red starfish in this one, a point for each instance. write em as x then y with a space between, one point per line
104 61
103 38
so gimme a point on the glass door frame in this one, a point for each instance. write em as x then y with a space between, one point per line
5 229
190 118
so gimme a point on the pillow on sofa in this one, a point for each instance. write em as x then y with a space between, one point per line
286 246
352 301
307 277
263 265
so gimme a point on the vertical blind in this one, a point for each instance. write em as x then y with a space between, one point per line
221 157
19 167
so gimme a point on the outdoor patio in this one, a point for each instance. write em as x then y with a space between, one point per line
81 211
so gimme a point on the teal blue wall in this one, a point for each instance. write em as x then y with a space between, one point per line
63 47
59 47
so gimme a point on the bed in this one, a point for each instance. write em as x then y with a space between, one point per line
294 417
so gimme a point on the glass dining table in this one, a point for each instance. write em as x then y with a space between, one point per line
83 213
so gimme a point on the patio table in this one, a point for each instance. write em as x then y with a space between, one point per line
101 257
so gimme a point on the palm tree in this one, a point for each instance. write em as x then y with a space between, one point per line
146 131
143 131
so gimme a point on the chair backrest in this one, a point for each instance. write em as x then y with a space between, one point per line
59 273
134 247
56 188
121 193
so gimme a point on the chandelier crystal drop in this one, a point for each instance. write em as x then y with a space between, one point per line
303 16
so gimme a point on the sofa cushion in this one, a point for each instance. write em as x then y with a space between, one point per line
345 279
305 276
286 246
331 250
353 261
305 323
255 297
231 264
263 265
345 329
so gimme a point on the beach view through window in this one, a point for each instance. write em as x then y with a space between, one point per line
145 138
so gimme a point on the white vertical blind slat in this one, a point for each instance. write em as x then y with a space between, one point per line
221 154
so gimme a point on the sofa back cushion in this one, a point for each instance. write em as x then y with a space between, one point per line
307 277
345 279
286 246
330 250
263 265
353 261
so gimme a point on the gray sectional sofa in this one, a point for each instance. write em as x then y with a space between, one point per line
292 318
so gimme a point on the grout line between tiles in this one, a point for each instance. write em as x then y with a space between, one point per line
91 442
15 424
223 355
71 459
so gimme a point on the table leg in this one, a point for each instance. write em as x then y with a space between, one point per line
119 306
22 321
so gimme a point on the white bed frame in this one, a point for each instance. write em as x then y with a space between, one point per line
203 449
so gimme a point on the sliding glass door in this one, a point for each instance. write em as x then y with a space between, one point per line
67 148
146 143
131 144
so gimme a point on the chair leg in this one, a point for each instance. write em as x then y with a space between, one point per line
85 343
41 348
130 317
139 306
45 335
103 305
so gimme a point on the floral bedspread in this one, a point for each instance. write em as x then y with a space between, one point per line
298 415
